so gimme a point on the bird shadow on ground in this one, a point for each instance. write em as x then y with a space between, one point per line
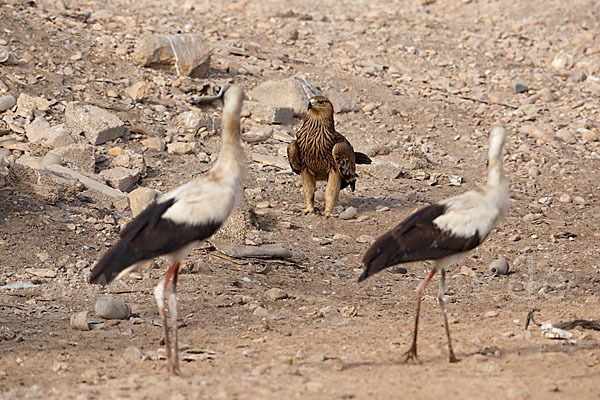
493 352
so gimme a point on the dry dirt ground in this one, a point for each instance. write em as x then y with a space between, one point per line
439 74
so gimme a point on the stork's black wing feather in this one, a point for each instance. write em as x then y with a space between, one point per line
147 236
414 239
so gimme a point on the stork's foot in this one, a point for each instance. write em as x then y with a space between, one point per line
411 355
175 370
452 358
308 210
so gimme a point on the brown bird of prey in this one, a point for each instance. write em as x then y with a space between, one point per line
320 153
181 219
445 232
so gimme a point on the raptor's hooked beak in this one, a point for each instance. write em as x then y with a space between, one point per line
310 104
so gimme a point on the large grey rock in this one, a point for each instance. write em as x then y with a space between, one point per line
269 114
185 54
283 93
97 124
120 178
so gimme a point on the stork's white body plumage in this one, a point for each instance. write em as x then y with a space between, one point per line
181 218
445 232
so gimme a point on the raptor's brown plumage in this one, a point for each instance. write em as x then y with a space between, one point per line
320 153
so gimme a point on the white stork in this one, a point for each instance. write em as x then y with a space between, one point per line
445 232
180 219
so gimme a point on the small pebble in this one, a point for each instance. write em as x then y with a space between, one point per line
565 198
133 353
499 267
519 86
275 294
534 171
578 200
348 213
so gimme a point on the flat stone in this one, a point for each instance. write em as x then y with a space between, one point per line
286 93
120 178
365 239
41 272
566 136
140 198
537 133
269 114
99 191
185 54
153 143
181 148
97 124
275 294
279 162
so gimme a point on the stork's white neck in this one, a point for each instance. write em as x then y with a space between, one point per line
495 157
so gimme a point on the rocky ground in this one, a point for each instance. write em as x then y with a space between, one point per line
92 128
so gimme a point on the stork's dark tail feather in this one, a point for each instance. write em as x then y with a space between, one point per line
383 253
115 260
361 158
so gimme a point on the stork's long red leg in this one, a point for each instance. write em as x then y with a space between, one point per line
174 367
442 300
411 354
159 295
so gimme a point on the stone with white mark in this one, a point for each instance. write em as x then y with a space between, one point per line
97 124
185 54
120 178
